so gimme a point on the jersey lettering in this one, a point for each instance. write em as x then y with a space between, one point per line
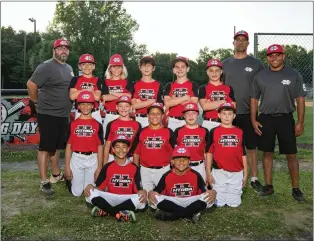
84 130
182 190
179 92
147 94
115 89
191 140
86 85
154 142
119 180
125 131
217 95
229 140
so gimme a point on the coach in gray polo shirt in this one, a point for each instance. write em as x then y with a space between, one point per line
239 71
48 88
278 87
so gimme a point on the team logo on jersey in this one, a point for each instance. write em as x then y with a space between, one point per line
147 94
86 85
217 95
248 69
119 180
286 82
125 131
182 189
84 130
179 92
229 140
115 89
191 140
154 142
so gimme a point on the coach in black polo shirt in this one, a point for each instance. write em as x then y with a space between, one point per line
278 87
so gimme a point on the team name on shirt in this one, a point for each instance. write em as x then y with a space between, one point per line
179 92
146 94
155 142
126 131
84 130
86 85
122 181
229 140
115 89
191 140
217 95
182 190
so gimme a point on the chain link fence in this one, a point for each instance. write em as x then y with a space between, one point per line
298 49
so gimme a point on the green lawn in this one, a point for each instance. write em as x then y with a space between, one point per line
27 214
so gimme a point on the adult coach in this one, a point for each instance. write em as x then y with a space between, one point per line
239 71
48 89
277 88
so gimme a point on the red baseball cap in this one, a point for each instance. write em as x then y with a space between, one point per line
181 151
120 138
85 97
180 59
191 106
124 98
226 106
158 105
116 59
61 42
241 32
275 48
214 62
86 58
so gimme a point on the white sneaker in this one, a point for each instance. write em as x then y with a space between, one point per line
59 178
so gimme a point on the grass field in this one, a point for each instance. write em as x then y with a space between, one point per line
27 214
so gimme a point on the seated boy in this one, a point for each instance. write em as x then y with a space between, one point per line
118 191
181 192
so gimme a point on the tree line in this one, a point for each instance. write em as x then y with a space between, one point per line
103 28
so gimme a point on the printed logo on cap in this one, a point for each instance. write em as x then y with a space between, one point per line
227 104
181 150
116 60
273 48
157 104
85 96
88 57
121 137
214 62
241 32
124 98
189 106
63 42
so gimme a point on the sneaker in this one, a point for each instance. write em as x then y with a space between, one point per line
196 218
126 216
257 186
46 187
59 178
298 195
163 216
267 190
97 212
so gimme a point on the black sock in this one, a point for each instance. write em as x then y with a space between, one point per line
56 175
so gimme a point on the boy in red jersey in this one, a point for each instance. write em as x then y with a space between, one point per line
213 94
179 92
118 191
114 86
86 82
154 149
227 159
181 192
146 91
123 125
84 150
194 137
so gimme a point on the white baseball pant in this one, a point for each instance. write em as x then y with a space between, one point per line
142 120
108 118
83 168
95 114
228 186
210 124
150 177
173 123
182 201
201 170
116 199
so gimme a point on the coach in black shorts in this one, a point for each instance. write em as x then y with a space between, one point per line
278 87
48 89
239 71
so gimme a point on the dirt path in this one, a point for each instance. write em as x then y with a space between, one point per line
32 165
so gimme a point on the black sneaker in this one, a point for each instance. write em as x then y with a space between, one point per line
257 186
267 190
298 195
46 187
163 216
196 218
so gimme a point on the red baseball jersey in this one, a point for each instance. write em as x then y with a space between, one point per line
155 147
82 82
196 140
117 179
115 86
130 129
178 90
214 93
227 147
147 91
187 185
85 135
